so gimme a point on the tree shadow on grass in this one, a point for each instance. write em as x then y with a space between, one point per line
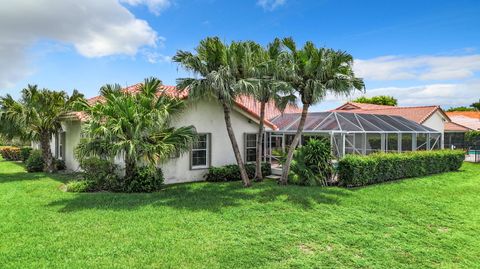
211 197
21 174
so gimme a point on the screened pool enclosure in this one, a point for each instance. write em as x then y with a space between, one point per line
352 133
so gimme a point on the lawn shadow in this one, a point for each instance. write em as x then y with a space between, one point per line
20 174
204 196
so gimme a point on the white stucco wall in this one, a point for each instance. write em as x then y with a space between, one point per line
437 122
207 117
72 138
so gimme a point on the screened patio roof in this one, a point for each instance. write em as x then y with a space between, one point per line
322 122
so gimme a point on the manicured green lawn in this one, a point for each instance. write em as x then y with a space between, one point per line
416 223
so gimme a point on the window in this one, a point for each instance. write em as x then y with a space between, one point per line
250 147
199 156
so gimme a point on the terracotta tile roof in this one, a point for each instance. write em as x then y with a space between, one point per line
418 114
472 123
470 114
455 127
355 105
245 103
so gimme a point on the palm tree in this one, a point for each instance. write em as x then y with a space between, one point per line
135 126
265 76
315 72
38 115
218 67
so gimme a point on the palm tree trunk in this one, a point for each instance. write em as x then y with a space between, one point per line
49 164
258 163
236 150
129 167
293 146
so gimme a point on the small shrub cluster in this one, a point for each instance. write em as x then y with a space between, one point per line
357 170
34 162
25 153
101 175
144 179
312 164
10 153
231 172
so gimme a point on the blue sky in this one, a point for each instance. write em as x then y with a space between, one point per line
422 52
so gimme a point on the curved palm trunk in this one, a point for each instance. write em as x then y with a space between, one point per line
236 150
293 146
258 163
49 164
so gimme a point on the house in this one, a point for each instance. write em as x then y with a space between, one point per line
461 122
206 116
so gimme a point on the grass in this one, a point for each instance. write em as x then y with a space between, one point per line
430 222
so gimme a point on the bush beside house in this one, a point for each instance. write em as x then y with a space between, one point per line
231 172
357 170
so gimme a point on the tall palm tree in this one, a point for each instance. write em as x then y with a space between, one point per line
266 86
38 115
315 72
135 126
218 67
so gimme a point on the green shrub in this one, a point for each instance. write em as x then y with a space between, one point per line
25 153
35 163
232 173
60 164
144 179
102 172
10 153
312 164
357 170
80 186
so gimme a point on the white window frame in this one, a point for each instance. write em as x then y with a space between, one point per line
246 147
207 153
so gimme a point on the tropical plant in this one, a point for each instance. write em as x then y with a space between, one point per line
473 137
135 126
476 105
264 82
315 72
384 100
218 67
312 164
37 116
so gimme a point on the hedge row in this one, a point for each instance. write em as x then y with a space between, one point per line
11 153
232 173
357 170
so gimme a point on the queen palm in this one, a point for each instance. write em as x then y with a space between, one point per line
218 67
266 86
37 116
314 73
134 125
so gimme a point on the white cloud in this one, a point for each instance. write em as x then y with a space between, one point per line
154 57
94 28
418 68
445 95
270 4
155 6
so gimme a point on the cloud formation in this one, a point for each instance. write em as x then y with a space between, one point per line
444 94
94 28
388 68
270 4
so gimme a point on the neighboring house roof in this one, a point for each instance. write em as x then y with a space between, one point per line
455 127
469 114
355 105
418 114
245 103
472 123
